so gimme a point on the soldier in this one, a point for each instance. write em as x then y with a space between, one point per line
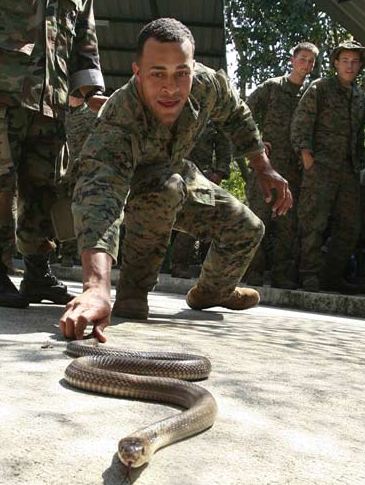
46 49
137 150
328 133
272 105
212 155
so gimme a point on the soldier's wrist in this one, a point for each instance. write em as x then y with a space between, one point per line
92 93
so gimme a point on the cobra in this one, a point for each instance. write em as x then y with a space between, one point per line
156 376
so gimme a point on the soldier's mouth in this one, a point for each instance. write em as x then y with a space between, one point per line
169 103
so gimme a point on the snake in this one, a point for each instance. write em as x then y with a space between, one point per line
153 376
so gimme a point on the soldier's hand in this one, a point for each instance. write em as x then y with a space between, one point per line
307 158
92 306
96 102
270 181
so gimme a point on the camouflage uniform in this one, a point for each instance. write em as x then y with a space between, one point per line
130 152
78 124
47 48
329 121
212 153
273 104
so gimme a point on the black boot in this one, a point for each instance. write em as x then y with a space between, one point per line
9 294
40 283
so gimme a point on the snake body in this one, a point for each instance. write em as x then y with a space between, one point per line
156 376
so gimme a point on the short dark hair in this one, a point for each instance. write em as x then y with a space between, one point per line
304 46
164 30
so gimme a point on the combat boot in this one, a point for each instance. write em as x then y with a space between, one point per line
239 299
131 303
9 294
40 283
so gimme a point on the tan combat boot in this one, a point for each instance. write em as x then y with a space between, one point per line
131 303
239 299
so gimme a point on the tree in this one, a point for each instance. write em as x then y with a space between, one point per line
264 31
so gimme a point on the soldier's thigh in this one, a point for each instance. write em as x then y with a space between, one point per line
207 222
43 143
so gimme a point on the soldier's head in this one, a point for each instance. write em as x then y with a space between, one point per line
303 58
348 59
164 68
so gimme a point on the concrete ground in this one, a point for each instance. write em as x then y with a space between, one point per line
289 387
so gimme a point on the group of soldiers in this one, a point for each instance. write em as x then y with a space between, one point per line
323 120
138 167
315 138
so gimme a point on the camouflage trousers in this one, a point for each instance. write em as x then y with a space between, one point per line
150 217
28 169
328 199
279 249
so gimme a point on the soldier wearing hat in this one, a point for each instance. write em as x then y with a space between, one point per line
328 133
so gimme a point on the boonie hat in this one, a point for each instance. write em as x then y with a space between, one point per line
350 45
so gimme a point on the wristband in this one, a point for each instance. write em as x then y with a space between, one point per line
91 93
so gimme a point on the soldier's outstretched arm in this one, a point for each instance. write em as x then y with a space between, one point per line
93 305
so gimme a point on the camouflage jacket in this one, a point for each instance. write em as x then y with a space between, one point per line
273 104
128 142
212 152
48 48
329 121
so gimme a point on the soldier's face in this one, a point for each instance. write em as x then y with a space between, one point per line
164 75
348 65
303 62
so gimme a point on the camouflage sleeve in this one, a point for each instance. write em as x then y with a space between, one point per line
85 62
105 171
258 102
304 119
223 154
234 118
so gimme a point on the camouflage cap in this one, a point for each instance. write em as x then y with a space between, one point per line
350 45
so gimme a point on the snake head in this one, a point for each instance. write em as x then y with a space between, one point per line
132 452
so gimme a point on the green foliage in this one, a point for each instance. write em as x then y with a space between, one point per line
264 31
235 184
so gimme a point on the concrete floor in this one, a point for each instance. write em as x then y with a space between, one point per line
289 387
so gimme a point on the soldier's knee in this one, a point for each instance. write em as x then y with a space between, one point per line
257 229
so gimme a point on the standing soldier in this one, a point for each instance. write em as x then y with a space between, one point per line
212 155
47 49
328 134
272 105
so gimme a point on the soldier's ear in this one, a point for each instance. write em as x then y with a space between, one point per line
135 69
